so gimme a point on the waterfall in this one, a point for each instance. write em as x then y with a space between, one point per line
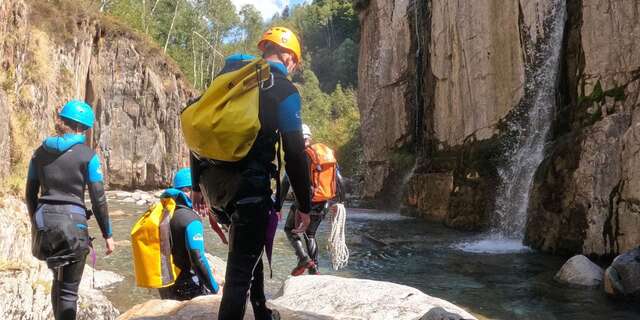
530 131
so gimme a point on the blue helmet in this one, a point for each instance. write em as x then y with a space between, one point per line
78 111
182 179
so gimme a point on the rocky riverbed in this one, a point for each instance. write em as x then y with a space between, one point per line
137 197
27 282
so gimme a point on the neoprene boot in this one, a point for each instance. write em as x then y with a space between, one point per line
304 262
312 248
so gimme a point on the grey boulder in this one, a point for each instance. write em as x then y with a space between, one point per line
580 271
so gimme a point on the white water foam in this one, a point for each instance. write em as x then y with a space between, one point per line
351 215
494 246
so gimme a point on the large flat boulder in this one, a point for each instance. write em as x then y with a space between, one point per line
580 271
200 308
205 307
318 298
330 297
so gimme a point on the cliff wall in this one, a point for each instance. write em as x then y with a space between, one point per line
440 82
136 92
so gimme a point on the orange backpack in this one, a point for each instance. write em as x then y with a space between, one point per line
323 170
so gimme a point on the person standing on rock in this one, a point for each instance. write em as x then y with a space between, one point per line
59 172
243 190
187 245
326 182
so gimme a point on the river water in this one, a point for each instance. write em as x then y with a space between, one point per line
508 283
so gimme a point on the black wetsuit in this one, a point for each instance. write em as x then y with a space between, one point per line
187 248
318 212
243 191
59 172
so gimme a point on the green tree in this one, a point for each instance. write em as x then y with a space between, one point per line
252 27
194 31
330 33
334 119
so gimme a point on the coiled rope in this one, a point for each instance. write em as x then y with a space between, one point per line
337 245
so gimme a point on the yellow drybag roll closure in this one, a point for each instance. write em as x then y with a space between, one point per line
224 123
151 246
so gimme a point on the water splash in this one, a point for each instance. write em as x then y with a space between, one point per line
494 245
530 131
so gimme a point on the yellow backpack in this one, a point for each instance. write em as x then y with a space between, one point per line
151 246
223 124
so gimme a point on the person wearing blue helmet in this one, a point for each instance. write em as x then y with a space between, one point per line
60 171
187 236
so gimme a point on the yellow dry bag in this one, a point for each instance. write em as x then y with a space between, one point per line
151 246
223 124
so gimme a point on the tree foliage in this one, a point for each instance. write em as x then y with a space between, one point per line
195 31
329 30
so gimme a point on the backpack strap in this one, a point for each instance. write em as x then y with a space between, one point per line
313 167
278 202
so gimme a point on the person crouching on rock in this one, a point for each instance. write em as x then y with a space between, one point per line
59 172
326 183
187 248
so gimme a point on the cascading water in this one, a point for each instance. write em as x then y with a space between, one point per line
526 153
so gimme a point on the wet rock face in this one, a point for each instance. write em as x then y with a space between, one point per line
135 91
586 192
439 77
432 200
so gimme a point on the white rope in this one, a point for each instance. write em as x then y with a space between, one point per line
337 245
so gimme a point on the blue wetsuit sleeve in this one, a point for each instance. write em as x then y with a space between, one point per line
98 197
289 114
195 246
32 189
95 170
290 128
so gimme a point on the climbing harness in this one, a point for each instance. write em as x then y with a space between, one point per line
337 245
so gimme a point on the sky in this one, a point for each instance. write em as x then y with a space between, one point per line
267 7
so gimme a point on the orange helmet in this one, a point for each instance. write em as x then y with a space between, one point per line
283 38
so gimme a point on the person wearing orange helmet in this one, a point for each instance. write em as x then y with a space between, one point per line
241 195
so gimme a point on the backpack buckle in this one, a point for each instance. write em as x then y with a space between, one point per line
271 81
